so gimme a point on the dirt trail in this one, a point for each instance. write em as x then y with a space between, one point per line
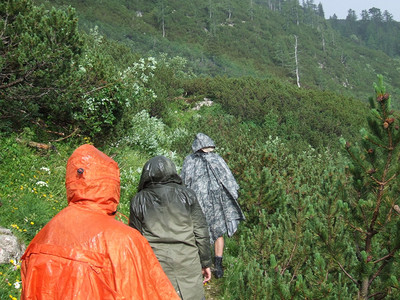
213 289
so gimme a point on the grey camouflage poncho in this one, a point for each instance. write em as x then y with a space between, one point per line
217 190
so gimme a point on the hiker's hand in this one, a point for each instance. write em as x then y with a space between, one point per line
206 274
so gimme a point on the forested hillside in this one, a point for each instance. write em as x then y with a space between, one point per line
316 156
375 29
290 40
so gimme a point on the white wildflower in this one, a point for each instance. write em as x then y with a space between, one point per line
45 169
17 284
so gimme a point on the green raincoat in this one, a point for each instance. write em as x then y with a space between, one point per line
170 218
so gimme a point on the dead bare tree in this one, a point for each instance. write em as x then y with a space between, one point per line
297 61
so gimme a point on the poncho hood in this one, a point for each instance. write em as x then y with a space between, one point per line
202 141
92 180
158 169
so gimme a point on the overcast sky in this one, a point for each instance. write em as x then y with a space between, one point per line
341 7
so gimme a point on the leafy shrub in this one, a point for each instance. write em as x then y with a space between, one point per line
107 92
150 135
38 48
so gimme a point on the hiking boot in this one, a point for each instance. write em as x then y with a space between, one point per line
219 269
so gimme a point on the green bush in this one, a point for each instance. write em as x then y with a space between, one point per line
38 48
303 116
287 201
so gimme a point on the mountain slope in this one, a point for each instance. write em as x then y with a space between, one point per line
234 38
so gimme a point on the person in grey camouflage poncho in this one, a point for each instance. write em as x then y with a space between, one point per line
209 176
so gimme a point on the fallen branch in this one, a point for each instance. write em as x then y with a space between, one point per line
68 136
41 146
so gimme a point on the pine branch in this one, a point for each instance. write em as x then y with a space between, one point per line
24 77
355 159
295 272
290 259
390 179
358 251
379 199
379 145
391 254
355 228
377 272
347 274
10 84
377 296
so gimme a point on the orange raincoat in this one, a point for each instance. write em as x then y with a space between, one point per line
83 252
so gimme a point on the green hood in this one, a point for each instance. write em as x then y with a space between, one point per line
159 169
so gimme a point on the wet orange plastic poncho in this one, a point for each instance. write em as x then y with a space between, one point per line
83 252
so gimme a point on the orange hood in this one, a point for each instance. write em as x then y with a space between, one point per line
92 180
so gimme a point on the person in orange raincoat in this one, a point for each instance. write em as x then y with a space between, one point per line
83 252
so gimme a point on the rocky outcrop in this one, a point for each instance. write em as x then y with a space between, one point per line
10 246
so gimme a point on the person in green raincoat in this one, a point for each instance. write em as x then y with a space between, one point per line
169 216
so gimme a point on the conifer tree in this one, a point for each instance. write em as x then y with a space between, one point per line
372 216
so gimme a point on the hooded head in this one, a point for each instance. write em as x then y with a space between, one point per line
158 169
92 180
202 141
